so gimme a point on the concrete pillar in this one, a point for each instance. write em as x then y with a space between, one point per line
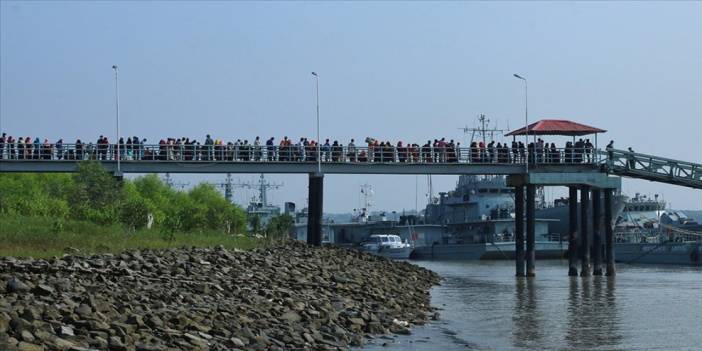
584 230
609 235
314 209
573 231
530 230
596 232
519 229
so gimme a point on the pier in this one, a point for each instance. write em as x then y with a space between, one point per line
596 178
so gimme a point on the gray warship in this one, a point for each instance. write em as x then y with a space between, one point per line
648 233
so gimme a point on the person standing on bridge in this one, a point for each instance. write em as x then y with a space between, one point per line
37 148
257 148
610 152
270 149
631 159
3 140
209 143
351 151
589 148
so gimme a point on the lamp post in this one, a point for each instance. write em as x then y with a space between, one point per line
319 154
526 117
117 155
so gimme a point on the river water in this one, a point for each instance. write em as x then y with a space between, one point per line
484 307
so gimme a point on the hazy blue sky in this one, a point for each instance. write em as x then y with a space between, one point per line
408 71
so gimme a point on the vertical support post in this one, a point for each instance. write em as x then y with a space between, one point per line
519 229
609 235
584 230
314 210
530 229
596 232
573 232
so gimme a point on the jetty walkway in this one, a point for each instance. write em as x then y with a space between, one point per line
595 174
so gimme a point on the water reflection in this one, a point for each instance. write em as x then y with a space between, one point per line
526 331
593 318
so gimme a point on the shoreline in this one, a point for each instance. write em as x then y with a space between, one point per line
291 296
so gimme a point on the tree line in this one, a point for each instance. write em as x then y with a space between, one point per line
93 194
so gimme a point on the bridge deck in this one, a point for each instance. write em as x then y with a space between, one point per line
148 166
359 160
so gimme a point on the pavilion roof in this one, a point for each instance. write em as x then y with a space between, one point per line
557 127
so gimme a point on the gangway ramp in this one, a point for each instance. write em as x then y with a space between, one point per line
654 168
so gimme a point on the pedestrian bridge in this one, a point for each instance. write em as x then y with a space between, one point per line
548 163
588 171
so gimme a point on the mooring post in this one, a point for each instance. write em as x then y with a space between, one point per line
584 232
609 235
519 229
314 209
573 231
596 232
530 229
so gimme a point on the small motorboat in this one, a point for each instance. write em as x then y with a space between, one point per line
387 245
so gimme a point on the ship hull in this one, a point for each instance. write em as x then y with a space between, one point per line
487 251
666 253
393 253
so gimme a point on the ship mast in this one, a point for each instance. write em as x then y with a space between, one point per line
262 186
482 130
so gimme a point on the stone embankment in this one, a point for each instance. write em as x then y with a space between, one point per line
290 297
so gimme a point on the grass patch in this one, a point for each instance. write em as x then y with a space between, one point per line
43 237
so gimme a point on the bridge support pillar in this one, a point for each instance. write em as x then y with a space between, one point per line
573 231
596 232
584 231
314 209
609 235
530 230
519 229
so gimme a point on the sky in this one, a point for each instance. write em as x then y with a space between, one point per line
407 71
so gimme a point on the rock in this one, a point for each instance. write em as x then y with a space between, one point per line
358 321
115 344
136 320
26 346
237 342
290 296
4 322
17 286
66 331
291 316
44 290
308 338
27 336
62 344
83 310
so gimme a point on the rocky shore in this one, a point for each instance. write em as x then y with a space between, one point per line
290 297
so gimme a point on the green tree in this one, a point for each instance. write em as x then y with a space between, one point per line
280 227
95 194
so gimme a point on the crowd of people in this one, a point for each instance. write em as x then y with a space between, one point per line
303 150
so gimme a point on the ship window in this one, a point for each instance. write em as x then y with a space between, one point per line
494 191
506 191
385 239
482 191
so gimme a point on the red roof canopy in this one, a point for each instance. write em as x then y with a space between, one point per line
557 127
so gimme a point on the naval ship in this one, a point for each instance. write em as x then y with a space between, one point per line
473 221
648 233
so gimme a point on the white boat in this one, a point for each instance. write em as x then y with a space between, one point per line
387 245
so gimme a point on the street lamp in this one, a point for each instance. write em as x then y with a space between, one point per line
319 154
526 117
118 156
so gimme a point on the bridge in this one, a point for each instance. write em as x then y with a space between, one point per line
594 173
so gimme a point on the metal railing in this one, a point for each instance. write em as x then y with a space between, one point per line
295 153
637 165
